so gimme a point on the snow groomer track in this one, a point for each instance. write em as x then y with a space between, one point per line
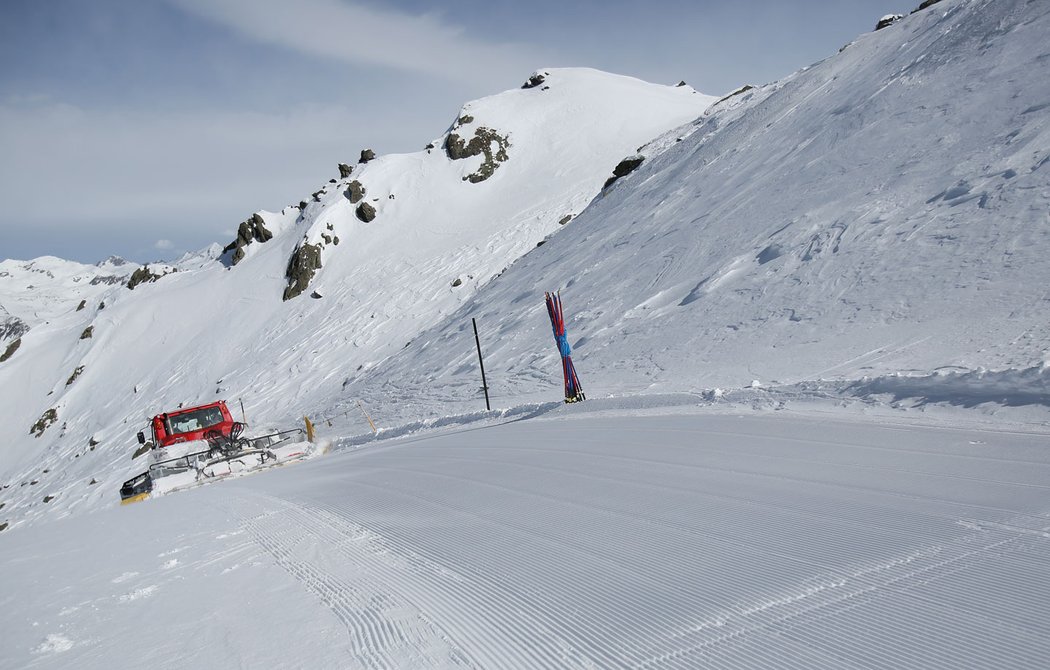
756 541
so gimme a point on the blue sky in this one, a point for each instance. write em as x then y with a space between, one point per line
146 129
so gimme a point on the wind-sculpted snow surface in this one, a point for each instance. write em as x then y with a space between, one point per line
883 212
773 540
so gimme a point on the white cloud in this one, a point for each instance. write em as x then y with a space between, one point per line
365 36
163 245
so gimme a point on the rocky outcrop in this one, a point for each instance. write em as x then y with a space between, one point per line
924 5
366 212
82 305
305 262
354 192
535 80
12 326
88 332
624 168
252 230
108 280
142 276
76 373
11 349
344 171
44 422
366 155
888 21
482 143
743 89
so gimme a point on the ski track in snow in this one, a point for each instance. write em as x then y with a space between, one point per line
582 540
606 564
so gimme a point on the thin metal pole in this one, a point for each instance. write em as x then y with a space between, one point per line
481 362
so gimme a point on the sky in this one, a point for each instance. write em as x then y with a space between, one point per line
148 129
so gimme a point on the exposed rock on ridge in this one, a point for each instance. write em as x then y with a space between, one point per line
252 230
305 262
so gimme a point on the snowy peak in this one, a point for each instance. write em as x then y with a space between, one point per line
880 212
547 145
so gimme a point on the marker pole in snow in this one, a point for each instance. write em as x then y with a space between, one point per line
481 362
573 390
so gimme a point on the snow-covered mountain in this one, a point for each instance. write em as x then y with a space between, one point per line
880 213
866 239
307 297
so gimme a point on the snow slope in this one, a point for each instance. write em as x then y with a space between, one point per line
711 539
214 329
869 235
883 212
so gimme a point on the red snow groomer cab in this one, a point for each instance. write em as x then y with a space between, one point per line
224 449
204 422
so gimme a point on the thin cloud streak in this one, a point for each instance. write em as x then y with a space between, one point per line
359 36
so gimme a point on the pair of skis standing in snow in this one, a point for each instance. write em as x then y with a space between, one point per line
573 389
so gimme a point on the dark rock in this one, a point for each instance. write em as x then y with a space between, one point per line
48 499
344 170
565 219
743 89
535 80
317 195
335 240
457 282
366 212
82 305
888 21
108 280
93 442
3 526
354 192
102 305
924 5
541 243
88 332
316 295
367 155
13 327
680 84
142 276
457 149
44 422
302 205
624 168
93 482
465 119
327 238
76 373
332 181
305 262
143 449
11 349
252 230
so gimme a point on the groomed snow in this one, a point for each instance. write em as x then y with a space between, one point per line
689 538
812 329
